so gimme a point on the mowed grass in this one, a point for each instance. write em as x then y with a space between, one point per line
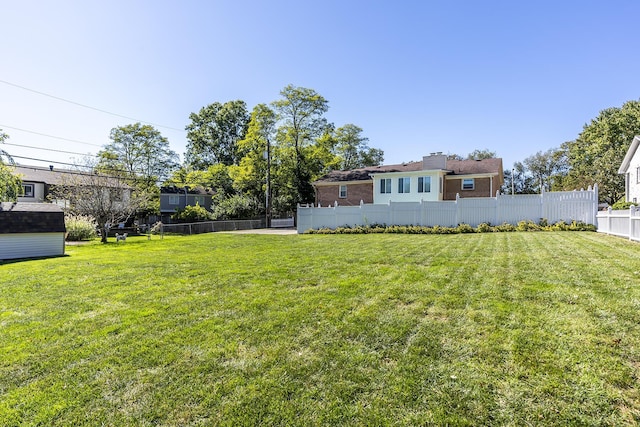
223 329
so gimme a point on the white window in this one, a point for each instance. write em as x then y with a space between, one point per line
27 190
174 199
404 185
638 175
199 200
385 185
343 192
468 184
424 184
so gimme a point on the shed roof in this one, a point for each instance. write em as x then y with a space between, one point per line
31 218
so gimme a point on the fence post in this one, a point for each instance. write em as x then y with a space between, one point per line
632 213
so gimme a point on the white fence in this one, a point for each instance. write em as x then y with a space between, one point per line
623 223
553 206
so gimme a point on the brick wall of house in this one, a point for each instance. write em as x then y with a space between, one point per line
329 194
482 188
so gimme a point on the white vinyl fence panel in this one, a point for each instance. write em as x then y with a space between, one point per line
553 206
623 223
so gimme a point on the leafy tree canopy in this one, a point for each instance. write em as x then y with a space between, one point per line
138 151
10 184
214 133
597 153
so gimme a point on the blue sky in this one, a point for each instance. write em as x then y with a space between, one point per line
417 76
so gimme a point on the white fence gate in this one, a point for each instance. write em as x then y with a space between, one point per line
623 223
553 206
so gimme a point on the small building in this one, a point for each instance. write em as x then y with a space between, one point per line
29 230
435 178
630 168
173 198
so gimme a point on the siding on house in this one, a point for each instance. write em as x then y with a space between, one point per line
630 168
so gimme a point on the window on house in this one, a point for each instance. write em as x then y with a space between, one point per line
424 184
174 199
638 175
385 185
343 192
404 185
27 190
199 200
468 184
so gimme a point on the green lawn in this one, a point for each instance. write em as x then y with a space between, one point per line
222 329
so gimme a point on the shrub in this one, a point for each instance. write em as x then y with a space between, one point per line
621 205
485 228
80 227
192 213
462 228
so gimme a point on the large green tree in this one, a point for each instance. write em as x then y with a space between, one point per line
142 156
139 152
10 184
547 169
597 153
300 113
352 148
214 133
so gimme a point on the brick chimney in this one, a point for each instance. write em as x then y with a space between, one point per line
434 161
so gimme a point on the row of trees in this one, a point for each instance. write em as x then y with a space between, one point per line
593 157
232 151
290 140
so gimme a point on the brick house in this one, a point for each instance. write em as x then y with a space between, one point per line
434 178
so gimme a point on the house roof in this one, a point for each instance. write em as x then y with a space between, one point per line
31 218
173 189
475 167
54 176
455 167
629 156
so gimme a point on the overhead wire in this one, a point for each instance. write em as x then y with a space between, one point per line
50 136
79 172
88 106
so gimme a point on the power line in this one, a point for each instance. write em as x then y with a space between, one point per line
50 149
49 136
88 106
134 178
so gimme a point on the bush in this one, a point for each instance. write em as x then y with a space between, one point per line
192 213
461 228
622 205
80 227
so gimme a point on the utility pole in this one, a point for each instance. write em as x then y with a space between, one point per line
268 192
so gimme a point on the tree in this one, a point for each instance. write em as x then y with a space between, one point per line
595 156
481 154
300 113
107 198
250 176
140 152
547 169
518 181
10 184
214 133
353 150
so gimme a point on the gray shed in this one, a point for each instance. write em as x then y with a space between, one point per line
29 230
